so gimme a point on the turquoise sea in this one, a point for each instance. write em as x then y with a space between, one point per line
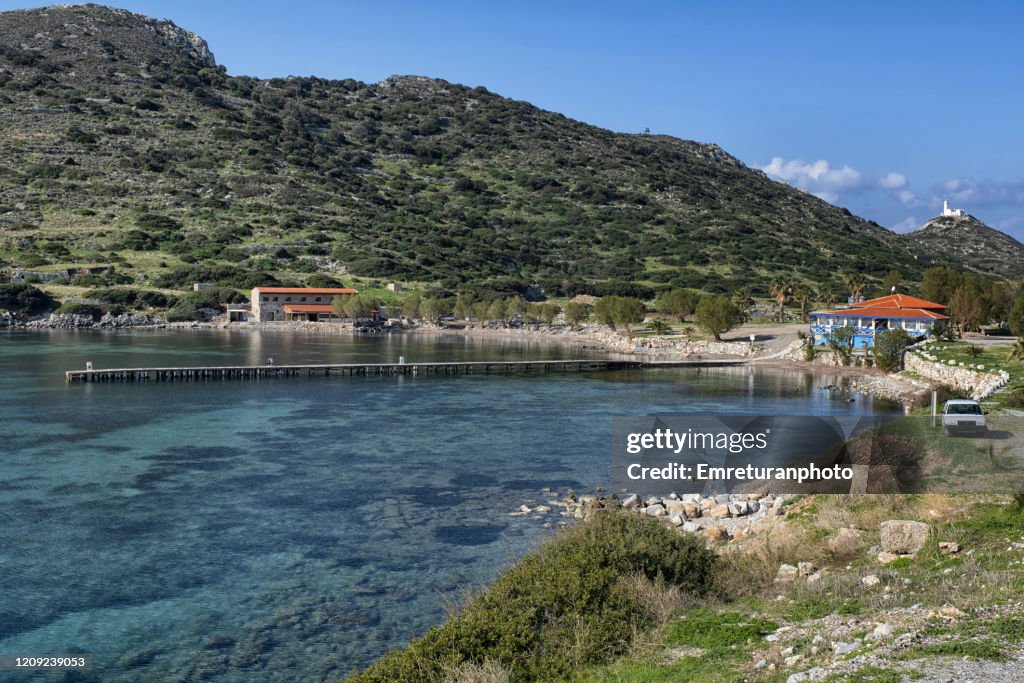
295 529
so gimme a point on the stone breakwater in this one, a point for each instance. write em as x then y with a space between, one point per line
975 379
600 337
715 518
68 321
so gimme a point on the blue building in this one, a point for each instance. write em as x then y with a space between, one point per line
896 311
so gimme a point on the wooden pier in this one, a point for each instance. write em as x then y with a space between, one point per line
255 372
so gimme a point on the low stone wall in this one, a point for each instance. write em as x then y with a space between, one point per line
977 380
615 341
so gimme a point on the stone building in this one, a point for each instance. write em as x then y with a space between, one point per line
295 303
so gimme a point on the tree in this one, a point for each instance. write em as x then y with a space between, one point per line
742 300
677 303
803 294
855 283
479 310
966 309
496 310
358 306
25 299
604 311
576 312
464 306
1016 317
889 348
827 295
938 284
434 308
660 326
548 312
717 315
892 281
780 289
1017 352
628 311
515 305
841 341
410 306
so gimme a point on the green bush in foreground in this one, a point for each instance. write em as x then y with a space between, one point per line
566 605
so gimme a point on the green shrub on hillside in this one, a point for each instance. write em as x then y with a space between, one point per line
566 605
25 299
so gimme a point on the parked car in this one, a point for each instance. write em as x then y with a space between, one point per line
963 416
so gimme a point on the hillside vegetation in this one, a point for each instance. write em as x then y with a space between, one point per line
126 149
969 240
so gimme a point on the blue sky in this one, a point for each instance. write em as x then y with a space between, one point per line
883 107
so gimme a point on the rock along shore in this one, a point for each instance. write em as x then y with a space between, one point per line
715 518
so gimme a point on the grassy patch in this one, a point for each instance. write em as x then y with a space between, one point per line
707 630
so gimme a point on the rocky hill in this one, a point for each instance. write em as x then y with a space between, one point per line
966 240
125 148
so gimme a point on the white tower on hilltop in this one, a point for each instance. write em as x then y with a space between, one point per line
946 211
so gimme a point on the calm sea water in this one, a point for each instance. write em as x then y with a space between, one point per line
294 529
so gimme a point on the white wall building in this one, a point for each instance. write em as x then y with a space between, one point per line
946 211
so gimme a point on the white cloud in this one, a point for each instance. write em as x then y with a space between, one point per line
983 192
908 198
909 224
826 181
893 181
818 177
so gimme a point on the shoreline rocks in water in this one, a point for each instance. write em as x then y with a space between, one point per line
720 517
78 321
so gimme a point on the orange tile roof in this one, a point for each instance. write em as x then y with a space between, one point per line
897 301
885 312
308 308
305 290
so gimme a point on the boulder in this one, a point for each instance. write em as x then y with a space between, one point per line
691 510
631 501
846 542
887 558
904 536
881 632
716 533
870 580
738 509
805 568
720 511
656 510
787 572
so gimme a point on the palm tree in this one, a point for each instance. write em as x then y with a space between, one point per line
780 289
855 283
804 294
659 326
1017 353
